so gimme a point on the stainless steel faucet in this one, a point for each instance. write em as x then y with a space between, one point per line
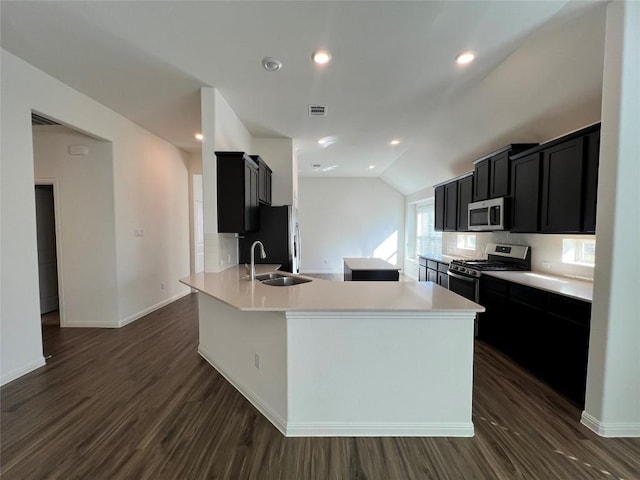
253 257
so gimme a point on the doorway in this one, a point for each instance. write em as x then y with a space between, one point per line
47 255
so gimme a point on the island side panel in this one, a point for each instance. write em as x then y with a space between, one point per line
230 339
380 374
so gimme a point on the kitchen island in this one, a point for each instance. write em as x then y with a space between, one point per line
342 358
369 269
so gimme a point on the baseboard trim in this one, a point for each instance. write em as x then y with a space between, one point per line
130 319
392 429
610 429
270 414
19 372
152 308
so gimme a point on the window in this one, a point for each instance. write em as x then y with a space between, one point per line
579 251
427 239
466 241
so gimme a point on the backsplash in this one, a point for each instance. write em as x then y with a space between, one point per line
546 250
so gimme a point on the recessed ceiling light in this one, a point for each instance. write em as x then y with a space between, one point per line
199 136
465 58
372 166
326 141
271 64
395 141
321 57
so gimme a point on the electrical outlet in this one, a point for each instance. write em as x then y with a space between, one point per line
162 286
256 361
546 265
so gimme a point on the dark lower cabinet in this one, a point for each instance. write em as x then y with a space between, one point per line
546 333
433 271
492 324
422 269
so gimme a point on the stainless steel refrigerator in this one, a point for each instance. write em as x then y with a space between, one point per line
280 236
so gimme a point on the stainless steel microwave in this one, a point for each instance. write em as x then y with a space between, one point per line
487 215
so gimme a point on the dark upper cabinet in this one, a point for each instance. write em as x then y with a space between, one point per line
525 194
451 206
439 209
592 152
562 177
264 180
465 197
499 179
564 172
492 173
481 180
237 186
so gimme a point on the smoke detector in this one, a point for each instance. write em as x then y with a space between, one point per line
271 64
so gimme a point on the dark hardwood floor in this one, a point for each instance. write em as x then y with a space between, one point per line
139 403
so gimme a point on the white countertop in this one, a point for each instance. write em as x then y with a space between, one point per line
365 263
323 295
567 286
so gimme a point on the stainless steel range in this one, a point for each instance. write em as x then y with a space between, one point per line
464 275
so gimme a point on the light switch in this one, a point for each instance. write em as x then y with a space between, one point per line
139 232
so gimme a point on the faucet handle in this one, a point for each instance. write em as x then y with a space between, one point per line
247 269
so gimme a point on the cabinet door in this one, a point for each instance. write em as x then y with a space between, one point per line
264 182
250 198
499 178
450 208
465 194
491 323
422 273
562 188
481 180
525 194
443 280
439 209
432 275
591 182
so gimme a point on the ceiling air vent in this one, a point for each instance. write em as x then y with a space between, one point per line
317 110
38 120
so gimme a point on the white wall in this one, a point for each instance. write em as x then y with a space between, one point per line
347 217
83 190
612 406
150 193
222 131
279 155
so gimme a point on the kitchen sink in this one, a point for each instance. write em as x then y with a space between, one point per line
285 281
271 276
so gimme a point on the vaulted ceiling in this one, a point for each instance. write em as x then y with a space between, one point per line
538 73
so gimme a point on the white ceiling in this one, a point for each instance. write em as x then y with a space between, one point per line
538 71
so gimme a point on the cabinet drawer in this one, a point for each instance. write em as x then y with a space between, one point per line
529 296
432 264
494 285
422 261
443 267
571 309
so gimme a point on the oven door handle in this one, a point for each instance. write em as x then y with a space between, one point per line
461 277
